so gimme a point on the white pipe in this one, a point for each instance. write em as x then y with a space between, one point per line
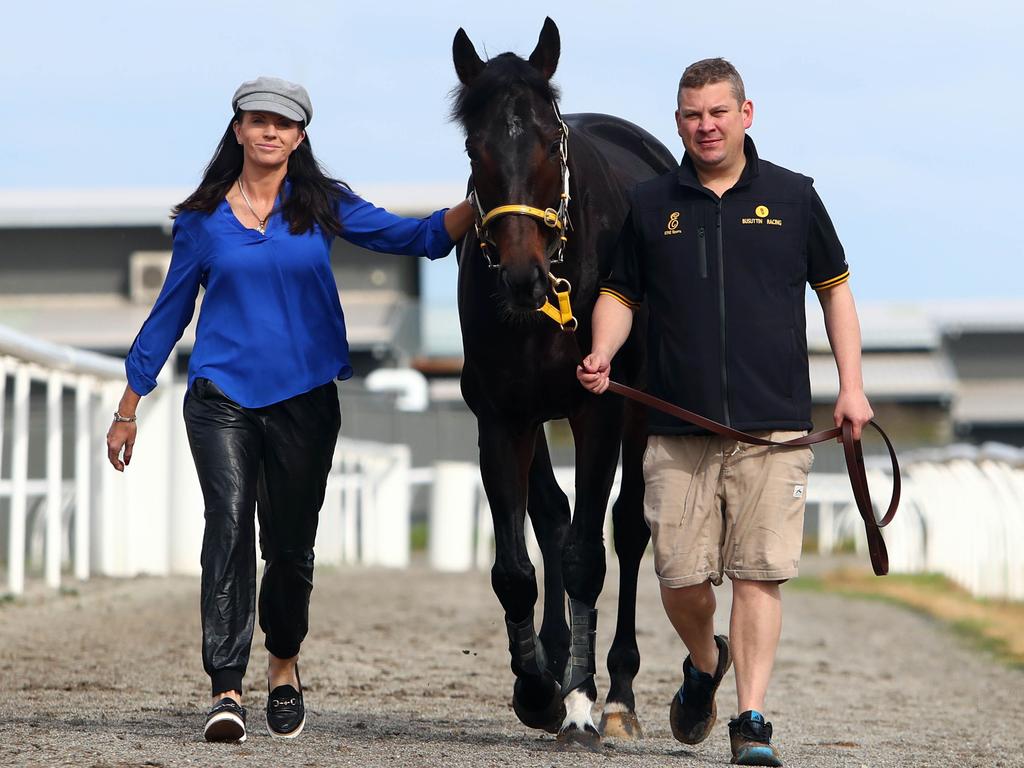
410 385
61 358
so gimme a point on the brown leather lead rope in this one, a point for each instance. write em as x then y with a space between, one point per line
851 448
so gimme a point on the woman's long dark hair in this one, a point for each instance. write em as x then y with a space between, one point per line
313 198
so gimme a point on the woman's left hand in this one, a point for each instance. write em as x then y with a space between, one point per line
121 435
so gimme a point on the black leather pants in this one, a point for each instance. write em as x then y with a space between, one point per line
275 459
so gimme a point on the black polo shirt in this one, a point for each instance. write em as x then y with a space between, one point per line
724 279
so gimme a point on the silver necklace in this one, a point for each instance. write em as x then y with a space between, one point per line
261 225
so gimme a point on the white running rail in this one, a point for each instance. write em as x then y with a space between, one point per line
961 515
962 512
93 520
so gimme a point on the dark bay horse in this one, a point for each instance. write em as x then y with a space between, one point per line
552 196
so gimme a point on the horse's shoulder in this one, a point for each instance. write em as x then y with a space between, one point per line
634 152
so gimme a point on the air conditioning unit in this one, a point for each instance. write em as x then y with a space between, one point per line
147 270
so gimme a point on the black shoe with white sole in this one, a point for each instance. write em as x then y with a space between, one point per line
286 712
226 722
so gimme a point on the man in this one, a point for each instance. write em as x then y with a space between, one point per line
721 251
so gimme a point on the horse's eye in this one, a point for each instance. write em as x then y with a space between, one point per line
471 151
555 150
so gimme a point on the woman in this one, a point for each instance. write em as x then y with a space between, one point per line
262 411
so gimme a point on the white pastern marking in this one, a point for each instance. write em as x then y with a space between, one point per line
614 708
577 711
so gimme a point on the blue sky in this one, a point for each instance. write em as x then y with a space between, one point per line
906 114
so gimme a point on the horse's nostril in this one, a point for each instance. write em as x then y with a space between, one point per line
504 277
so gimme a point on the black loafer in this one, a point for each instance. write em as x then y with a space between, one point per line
286 713
225 722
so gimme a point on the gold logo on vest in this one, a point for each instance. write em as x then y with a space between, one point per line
761 213
672 228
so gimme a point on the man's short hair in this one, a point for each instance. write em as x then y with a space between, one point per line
708 71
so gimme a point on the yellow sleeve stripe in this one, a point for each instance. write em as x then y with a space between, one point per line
619 298
832 283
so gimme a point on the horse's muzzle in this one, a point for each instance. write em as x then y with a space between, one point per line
525 288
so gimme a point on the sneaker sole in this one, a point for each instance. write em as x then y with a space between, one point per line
758 756
275 735
225 727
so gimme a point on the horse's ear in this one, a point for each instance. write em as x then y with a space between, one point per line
549 46
467 63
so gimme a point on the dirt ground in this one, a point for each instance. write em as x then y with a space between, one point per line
410 668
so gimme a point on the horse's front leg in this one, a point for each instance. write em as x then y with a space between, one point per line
618 719
505 457
596 429
548 508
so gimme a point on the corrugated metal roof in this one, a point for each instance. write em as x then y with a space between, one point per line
977 316
920 325
883 326
31 208
991 401
110 321
899 376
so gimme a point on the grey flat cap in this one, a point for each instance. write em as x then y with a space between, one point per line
272 94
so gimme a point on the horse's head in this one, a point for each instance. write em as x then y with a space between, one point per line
516 143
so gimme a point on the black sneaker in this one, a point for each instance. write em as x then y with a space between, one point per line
751 740
226 722
286 713
693 712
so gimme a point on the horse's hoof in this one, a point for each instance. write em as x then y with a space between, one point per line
542 709
587 737
621 725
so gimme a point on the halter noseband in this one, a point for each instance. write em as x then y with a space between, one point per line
557 220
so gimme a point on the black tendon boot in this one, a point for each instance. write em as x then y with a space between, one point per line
536 698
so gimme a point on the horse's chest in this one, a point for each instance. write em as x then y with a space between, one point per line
523 381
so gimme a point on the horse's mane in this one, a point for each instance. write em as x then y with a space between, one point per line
502 73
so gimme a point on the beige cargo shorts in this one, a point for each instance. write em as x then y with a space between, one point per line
716 506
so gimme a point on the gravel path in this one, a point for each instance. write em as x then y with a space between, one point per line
410 669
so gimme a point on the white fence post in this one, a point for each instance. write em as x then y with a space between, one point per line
3 408
146 516
19 483
54 476
83 474
453 512
349 512
393 501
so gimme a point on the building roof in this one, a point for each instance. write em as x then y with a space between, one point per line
888 326
150 206
111 321
989 401
920 325
888 376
